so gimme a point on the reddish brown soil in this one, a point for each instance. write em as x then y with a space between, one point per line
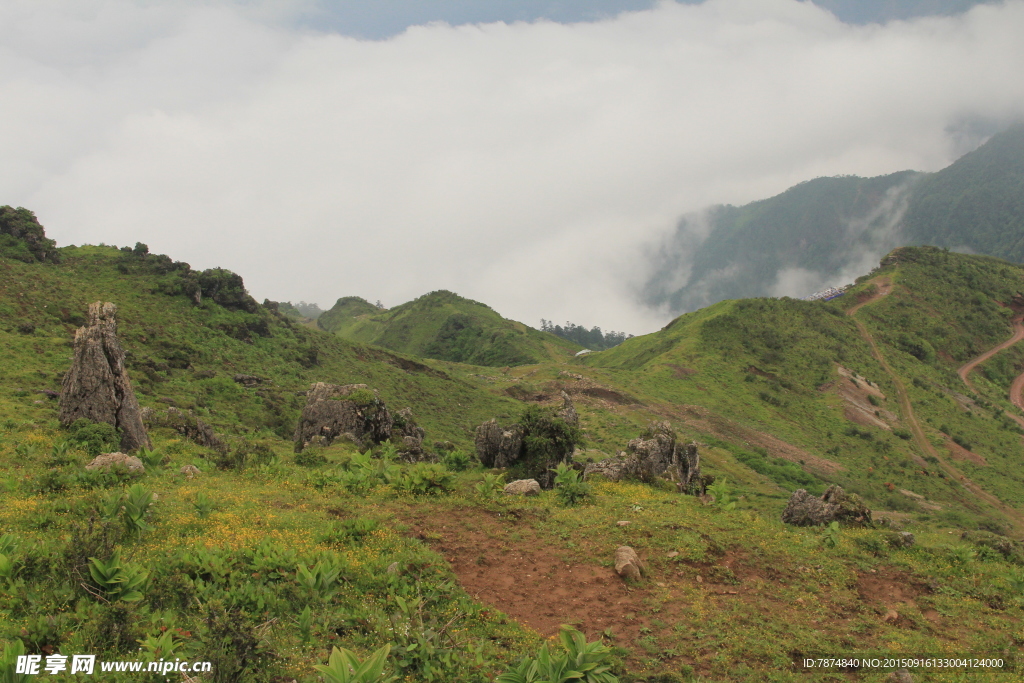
506 565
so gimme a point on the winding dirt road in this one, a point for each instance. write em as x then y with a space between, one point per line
907 410
1018 383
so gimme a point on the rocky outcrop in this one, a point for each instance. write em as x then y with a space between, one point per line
333 411
1012 550
115 461
249 381
97 386
407 436
498 446
186 424
568 411
523 487
190 472
628 564
805 509
651 455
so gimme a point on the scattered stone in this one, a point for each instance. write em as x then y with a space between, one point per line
97 386
249 381
835 505
333 411
392 568
673 554
523 487
891 617
190 471
623 523
700 579
109 461
900 676
498 446
628 564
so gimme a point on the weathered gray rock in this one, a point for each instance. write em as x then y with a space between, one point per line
612 469
498 446
900 539
651 454
523 487
835 505
109 461
97 386
186 424
901 676
333 411
190 471
568 411
628 564
407 436
687 466
249 381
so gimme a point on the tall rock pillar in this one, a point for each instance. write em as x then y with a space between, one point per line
97 385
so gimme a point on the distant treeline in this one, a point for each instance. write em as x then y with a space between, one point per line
594 339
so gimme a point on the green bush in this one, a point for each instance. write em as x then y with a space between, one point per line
94 437
425 478
580 661
456 461
547 441
570 489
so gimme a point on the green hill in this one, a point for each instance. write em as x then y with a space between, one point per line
826 230
262 564
445 326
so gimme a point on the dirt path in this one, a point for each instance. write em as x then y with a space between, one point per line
907 410
1018 383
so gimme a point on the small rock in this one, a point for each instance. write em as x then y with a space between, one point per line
673 554
628 564
110 460
901 676
190 471
891 617
622 523
523 487
392 568
700 579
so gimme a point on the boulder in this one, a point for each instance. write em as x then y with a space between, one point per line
900 539
97 386
612 469
687 466
190 471
186 424
628 564
249 381
109 461
523 487
407 436
651 454
900 676
805 509
333 411
568 411
498 446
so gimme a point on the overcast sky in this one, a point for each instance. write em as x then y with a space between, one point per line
320 150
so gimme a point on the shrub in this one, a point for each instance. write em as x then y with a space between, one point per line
581 661
425 478
117 580
310 457
456 461
344 667
547 441
570 489
94 437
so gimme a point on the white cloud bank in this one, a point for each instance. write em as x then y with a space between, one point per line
521 165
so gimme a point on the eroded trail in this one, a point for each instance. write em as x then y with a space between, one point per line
907 411
1018 383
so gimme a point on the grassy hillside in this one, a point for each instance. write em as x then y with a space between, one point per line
445 326
261 565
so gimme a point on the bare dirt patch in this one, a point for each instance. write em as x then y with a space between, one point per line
681 372
857 394
509 566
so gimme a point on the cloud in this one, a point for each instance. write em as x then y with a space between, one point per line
524 165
